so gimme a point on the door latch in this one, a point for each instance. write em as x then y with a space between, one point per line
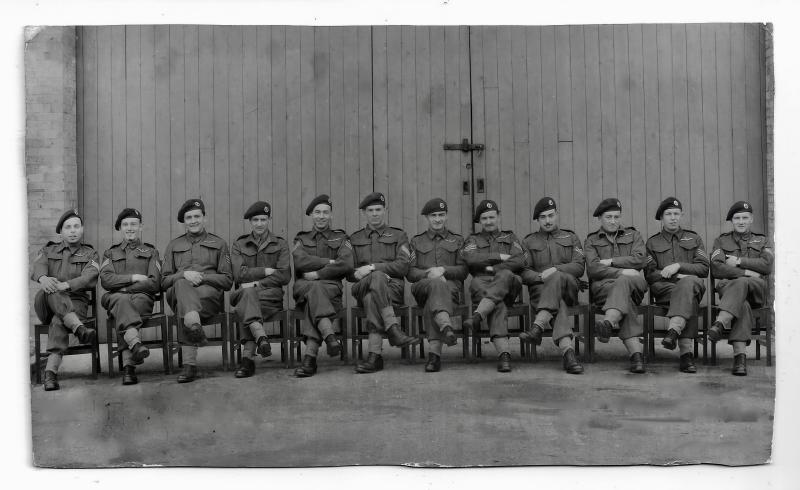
464 146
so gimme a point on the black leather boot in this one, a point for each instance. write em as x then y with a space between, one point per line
670 340
264 349
637 363
373 364
51 381
129 375
332 346
246 368
139 353
308 367
434 364
448 336
603 330
398 338
571 364
715 332
739 365
85 335
504 363
188 375
473 323
687 363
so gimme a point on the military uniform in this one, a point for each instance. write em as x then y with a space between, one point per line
560 249
683 295
739 294
206 253
313 251
500 285
64 311
125 300
610 289
387 249
437 249
250 255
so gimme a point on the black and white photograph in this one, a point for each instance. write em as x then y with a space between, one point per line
505 243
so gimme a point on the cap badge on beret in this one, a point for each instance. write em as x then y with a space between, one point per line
675 202
744 205
489 205
619 205
266 209
441 205
549 202
196 203
382 198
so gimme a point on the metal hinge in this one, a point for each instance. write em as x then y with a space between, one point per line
464 146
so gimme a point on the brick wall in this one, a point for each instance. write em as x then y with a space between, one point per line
50 140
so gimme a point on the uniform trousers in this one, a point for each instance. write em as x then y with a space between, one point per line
317 299
502 289
683 298
183 297
738 297
51 309
623 293
554 294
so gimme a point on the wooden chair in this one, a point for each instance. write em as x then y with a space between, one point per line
660 310
762 329
282 337
157 319
582 333
223 340
420 324
296 317
39 329
359 332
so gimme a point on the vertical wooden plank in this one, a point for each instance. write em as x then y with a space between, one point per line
488 40
191 111
346 204
422 68
119 136
549 114
321 168
79 118
281 119
579 219
738 111
250 191
150 214
440 185
236 204
520 136
477 117
218 221
694 90
308 136
681 121
386 105
594 122
337 121
177 124
455 164
163 199
365 125
755 122
566 170
609 130
641 220
402 192
622 111
205 122
710 138
665 111
724 123
91 129
651 113
299 55
132 176
505 107
263 131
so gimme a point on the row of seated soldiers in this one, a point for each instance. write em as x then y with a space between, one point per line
197 269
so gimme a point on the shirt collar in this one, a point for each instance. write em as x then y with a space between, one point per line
197 238
432 234
131 244
742 236
669 235
326 232
379 229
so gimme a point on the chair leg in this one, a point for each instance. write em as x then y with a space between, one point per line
37 356
165 347
110 345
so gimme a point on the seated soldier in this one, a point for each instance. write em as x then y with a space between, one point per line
677 264
740 263
494 258
260 263
195 275
555 264
322 258
615 257
67 270
380 257
131 273
437 275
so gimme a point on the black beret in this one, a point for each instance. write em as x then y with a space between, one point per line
434 205
67 215
320 199
258 208
608 204
374 198
738 207
485 205
668 203
189 206
127 213
544 204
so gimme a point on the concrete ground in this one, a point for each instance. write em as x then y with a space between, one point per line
468 414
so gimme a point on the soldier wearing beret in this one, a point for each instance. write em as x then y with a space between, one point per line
615 257
740 262
322 258
195 275
260 264
66 270
677 264
131 275
381 258
555 264
437 275
494 258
